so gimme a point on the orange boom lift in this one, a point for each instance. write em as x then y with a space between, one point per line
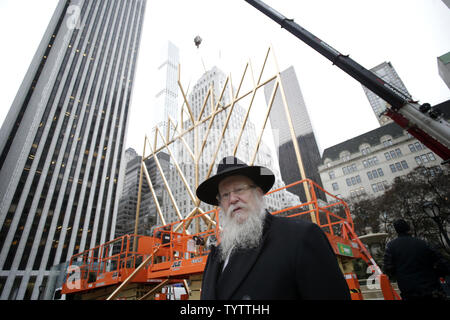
137 267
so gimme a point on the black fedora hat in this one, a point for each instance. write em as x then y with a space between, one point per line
230 166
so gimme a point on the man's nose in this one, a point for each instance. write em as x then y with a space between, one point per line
233 197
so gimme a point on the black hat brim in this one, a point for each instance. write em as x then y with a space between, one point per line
263 177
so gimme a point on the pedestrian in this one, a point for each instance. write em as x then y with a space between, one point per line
415 265
261 256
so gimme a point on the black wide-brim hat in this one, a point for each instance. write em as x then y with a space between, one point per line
231 166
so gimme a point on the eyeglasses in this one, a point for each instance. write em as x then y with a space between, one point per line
224 197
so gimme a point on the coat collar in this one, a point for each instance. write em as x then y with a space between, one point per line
240 264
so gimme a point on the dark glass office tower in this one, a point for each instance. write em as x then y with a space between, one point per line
309 150
62 142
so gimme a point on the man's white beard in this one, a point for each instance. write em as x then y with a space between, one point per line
244 235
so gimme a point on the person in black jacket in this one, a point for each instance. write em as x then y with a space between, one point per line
261 256
415 265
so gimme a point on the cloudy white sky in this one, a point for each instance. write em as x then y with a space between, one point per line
410 34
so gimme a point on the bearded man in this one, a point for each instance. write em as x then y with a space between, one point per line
261 256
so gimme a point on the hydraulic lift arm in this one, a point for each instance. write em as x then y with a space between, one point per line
421 121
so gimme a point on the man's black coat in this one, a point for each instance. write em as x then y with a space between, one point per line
294 261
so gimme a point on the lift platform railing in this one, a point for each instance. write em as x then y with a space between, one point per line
329 216
106 264
178 253
183 252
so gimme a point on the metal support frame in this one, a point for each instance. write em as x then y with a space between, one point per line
177 133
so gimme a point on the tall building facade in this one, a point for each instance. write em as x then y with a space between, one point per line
443 63
167 96
309 150
126 217
61 144
126 214
386 72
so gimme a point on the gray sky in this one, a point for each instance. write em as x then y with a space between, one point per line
410 34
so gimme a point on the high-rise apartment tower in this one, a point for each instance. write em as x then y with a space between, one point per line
167 96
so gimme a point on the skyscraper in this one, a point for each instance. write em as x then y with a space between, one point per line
167 95
61 144
303 129
126 217
387 72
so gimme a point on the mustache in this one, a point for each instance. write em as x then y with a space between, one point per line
232 207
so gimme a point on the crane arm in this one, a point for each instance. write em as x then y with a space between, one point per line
434 132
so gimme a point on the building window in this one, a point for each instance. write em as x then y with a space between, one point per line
344 156
387 142
365 163
416 146
370 162
357 192
399 166
335 186
332 175
380 186
349 169
365 150
404 164
375 174
418 160
424 158
353 180
432 171
393 154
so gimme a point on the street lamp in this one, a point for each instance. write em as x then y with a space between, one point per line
432 210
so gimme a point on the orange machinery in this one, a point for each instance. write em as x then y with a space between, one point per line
170 254
173 254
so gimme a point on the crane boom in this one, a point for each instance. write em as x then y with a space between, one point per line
428 127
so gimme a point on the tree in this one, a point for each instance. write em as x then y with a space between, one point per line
405 199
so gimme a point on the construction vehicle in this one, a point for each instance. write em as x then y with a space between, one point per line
138 267
421 121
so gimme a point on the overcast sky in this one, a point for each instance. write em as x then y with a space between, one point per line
410 34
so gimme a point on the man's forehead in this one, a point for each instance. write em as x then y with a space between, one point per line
234 180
